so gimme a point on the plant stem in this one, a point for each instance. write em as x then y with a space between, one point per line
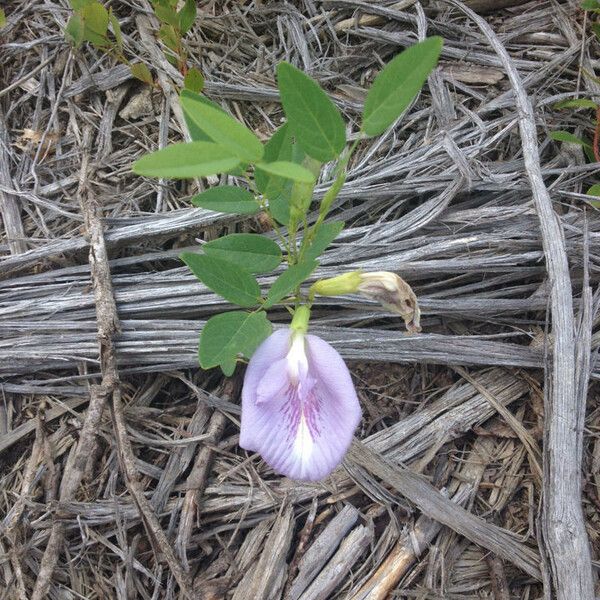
329 197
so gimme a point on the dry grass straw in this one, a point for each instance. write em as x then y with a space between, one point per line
441 494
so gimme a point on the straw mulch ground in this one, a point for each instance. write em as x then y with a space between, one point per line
464 478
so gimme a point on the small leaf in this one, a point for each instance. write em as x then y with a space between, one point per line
169 37
166 14
279 147
590 5
287 170
288 281
95 18
116 27
253 252
224 129
596 27
226 335
140 71
576 103
398 83
187 16
228 199
314 166
2 18
79 4
180 161
324 236
312 116
594 190
280 209
565 136
224 278
74 30
196 133
193 80
589 152
300 200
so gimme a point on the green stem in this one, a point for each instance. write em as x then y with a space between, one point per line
329 197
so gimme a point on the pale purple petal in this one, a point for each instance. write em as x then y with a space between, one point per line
273 349
302 429
273 383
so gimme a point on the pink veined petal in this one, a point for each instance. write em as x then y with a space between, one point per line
304 430
273 349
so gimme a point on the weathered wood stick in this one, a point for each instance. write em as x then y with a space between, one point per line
436 506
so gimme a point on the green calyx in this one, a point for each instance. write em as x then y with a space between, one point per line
300 319
336 286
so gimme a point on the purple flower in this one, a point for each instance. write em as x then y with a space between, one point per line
299 406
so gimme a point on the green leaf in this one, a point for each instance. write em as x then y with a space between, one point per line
301 198
228 199
95 18
312 116
287 170
224 129
397 85
2 18
279 147
589 152
196 133
253 252
187 16
193 80
166 14
181 161
199 135
79 4
74 30
116 27
280 209
224 278
596 27
288 281
590 5
576 103
140 71
324 236
227 335
565 136
169 37
594 190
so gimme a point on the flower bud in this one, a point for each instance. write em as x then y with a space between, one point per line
347 283
394 294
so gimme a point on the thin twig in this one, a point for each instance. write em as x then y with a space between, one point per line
74 470
198 477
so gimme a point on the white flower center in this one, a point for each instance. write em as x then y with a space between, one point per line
303 444
297 362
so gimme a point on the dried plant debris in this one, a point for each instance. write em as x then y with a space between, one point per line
440 496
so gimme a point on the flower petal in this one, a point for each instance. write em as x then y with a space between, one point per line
273 349
304 430
273 383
